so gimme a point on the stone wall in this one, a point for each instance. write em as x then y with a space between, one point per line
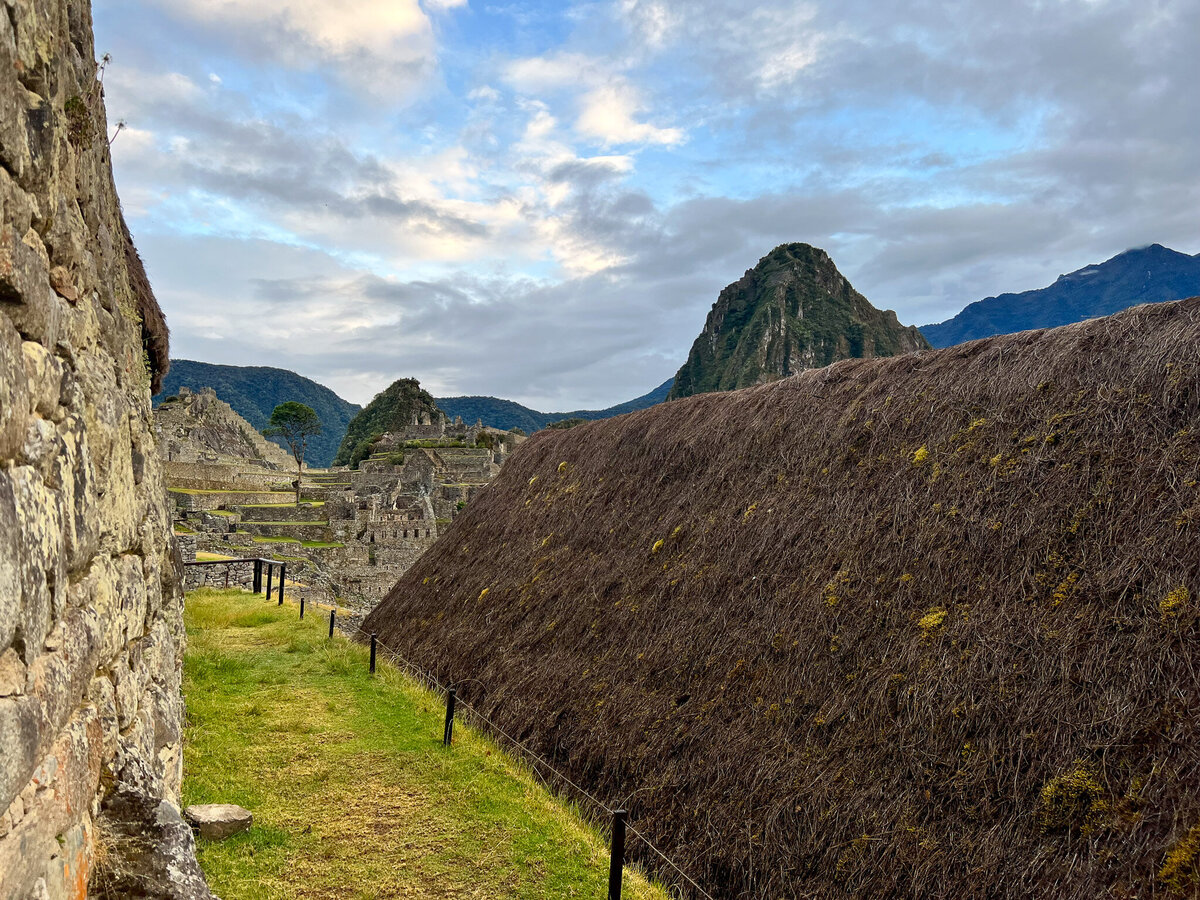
90 602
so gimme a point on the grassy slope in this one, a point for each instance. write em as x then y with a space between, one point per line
352 793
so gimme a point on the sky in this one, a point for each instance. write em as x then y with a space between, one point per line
541 200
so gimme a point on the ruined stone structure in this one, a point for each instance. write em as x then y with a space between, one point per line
91 627
197 427
355 533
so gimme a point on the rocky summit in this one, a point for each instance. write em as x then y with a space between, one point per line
792 311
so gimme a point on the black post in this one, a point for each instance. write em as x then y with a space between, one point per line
448 731
372 653
257 576
332 613
301 599
616 863
282 579
270 578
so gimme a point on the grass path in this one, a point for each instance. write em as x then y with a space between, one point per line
352 793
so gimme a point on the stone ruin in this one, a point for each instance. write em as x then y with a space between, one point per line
91 627
355 532
197 427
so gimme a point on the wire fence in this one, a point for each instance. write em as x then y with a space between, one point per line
538 764
541 768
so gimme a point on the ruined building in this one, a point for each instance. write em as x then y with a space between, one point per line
91 631
355 532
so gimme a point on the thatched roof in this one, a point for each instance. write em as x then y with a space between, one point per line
156 336
913 627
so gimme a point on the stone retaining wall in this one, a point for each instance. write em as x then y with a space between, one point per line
91 631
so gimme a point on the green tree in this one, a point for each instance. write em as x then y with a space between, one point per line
295 423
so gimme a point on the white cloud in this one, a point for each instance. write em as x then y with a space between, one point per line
386 46
534 74
439 6
608 114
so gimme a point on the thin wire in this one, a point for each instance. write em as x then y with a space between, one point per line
668 861
537 759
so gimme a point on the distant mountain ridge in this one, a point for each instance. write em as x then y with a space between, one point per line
508 414
254 391
1143 275
793 311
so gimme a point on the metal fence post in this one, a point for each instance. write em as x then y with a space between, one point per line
282 579
270 578
616 864
332 613
372 653
257 576
301 601
448 731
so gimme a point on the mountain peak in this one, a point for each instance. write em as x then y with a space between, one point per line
1148 274
794 310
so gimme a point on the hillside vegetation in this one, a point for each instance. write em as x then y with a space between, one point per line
792 311
390 410
924 626
506 414
254 391
1145 275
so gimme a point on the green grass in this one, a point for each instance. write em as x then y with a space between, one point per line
280 505
232 490
260 539
352 793
220 512
322 545
295 522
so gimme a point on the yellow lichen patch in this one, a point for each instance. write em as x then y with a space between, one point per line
658 545
532 480
1173 604
1071 801
1065 588
836 586
562 467
919 456
483 593
1180 872
749 512
932 620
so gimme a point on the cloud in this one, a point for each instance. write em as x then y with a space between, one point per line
608 113
546 203
534 74
385 47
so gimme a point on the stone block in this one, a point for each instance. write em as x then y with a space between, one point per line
12 674
25 292
102 695
38 549
44 372
19 723
217 821
14 391
10 570
127 691
41 445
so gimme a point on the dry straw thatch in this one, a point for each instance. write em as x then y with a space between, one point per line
912 627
